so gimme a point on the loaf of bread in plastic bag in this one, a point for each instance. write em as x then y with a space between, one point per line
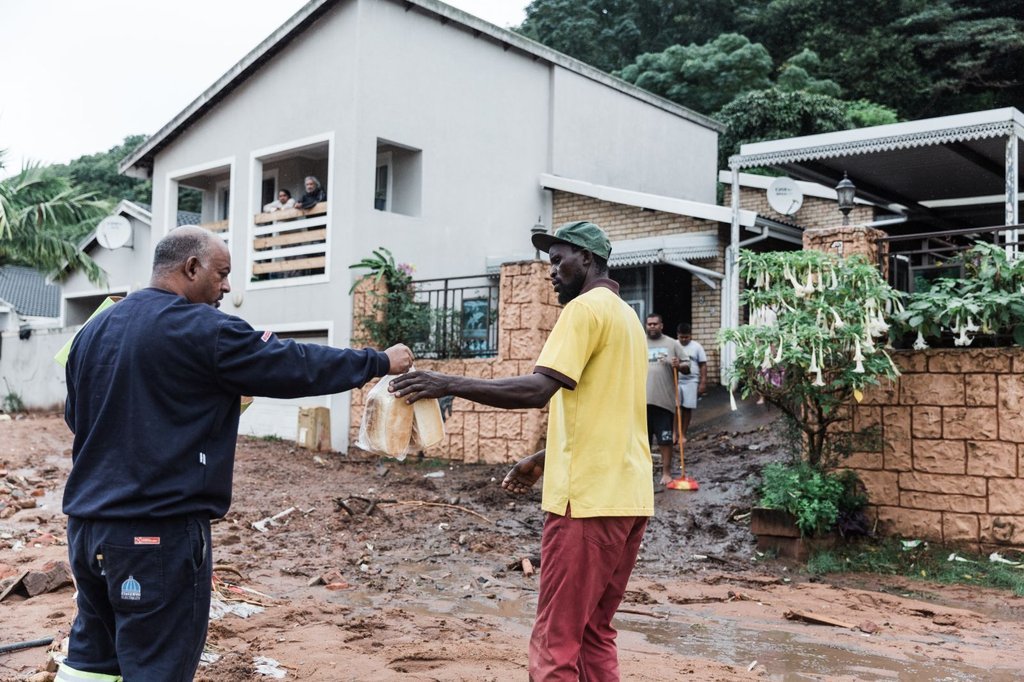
427 426
387 422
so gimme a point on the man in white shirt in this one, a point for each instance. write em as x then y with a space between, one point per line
694 382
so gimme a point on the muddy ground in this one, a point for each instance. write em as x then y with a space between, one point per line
413 571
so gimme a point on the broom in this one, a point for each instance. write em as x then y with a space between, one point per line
683 482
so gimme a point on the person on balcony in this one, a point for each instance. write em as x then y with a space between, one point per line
598 492
282 202
313 196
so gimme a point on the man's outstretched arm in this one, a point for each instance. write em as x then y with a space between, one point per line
531 390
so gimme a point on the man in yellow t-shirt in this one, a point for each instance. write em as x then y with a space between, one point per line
597 488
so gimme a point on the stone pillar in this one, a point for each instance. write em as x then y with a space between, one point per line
845 241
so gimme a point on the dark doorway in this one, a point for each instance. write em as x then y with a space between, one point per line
671 296
662 289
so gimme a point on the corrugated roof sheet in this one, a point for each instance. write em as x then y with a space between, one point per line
28 291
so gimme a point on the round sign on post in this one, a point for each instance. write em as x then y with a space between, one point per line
784 196
113 232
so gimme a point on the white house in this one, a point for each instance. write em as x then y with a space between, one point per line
436 135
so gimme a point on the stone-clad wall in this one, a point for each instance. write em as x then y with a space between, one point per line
527 311
949 465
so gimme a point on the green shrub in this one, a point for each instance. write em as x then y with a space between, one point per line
817 500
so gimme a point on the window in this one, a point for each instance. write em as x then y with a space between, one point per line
398 178
382 185
223 200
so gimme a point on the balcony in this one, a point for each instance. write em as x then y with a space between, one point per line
289 244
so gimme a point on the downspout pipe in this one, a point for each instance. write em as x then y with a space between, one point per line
732 293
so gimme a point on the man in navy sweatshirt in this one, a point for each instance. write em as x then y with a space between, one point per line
154 386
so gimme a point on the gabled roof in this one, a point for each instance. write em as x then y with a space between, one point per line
141 159
28 292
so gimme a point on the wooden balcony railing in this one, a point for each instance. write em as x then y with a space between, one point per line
289 244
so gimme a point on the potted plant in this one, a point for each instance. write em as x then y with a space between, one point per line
803 508
814 342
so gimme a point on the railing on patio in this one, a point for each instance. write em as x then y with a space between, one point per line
463 317
910 261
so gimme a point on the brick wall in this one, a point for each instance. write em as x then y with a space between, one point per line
629 222
527 310
948 465
814 212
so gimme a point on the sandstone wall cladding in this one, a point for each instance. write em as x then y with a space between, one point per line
952 435
527 311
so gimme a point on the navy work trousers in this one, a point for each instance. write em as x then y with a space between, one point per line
143 596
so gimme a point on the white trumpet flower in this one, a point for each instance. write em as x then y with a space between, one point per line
814 362
778 354
817 379
766 364
920 343
970 326
838 324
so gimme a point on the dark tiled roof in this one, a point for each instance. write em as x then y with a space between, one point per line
27 290
189 218
184 217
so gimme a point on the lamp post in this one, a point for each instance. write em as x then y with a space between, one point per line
845 192
538 228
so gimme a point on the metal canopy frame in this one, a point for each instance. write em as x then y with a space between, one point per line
941 173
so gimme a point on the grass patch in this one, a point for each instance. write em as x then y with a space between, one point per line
926 561
269 439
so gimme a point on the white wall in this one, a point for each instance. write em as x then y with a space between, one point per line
28 369
607 138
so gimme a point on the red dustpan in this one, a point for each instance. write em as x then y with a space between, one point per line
684 482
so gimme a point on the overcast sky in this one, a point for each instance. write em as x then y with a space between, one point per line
78 76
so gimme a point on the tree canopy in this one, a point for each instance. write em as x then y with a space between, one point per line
829 63
40 212
97 173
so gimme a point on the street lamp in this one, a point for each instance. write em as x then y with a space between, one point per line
845 191
538 228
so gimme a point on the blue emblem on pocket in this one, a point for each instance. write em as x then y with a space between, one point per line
131 590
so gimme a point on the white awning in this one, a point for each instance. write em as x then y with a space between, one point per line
674 249
655 202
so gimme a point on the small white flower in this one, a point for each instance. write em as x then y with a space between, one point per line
920 343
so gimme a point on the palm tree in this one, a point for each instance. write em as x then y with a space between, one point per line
40 213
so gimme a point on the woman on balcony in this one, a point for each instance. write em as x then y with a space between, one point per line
284 201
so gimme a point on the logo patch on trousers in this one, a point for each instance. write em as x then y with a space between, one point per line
147 540
131 590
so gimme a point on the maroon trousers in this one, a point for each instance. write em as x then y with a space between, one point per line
585 565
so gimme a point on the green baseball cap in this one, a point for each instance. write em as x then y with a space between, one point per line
582 233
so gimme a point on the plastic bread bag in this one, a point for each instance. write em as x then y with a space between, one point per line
427 424
386 428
